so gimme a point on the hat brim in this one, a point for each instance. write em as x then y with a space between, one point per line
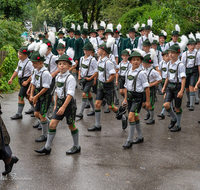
63 60
34 60
135 56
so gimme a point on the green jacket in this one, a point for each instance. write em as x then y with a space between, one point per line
78 47
127 44
119 48
159 48
71 43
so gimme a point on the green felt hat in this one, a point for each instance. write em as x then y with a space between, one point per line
88 46
24 50
147 59
146 43
105 48
61 32
147 27
191 41
92 31
175 33
32 40
125 52
161 34
116 31
141 29
60 46
36 57
137 34
108 31
71 30
165 52
41 36
77 32
155 42
65 57
100 28
46 41
135 54
85 31
131 30
175 48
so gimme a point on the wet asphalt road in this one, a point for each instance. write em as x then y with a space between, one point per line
165 161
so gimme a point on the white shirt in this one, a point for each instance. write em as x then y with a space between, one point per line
140 41
141 82
28 69
70 85
172 71
117 41
46 78
155 61
191 58
163 68
84 63
114 50
53 65
169 44
99 41
112 58
124 68
110 69
162 47
153 76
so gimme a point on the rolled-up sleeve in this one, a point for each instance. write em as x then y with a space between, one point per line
46 79
71 86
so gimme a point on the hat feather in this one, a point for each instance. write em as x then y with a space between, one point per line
119 27
63 29
43 49
163 32
78 27
103 24
136 26
127 35
85 25
73 26
139 51
177 28
61 41
143 25
95 25
150 22
152 53
129 51
70 52
37 46
110 41
31 47
156 38
191 35
52 37
110 26
183 43
150 37
198 35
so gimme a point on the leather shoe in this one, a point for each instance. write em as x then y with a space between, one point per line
107 111
161 116
36 125
150 122
117 102
43 150
42 138
128 144
79 116
91 113
199 121
171 125
176 129
8 168
138 140
15 117
197 102
74 150
147 116
87 106
191 108
32 115
39 127
124 123
94 128
29 111
188 104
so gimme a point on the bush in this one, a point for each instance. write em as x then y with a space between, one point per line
8 67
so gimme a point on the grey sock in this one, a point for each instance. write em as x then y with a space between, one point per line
152 114
163 111
44 127
48 120
178 115
20 109
132 126
197 95
147 110
192 98
97 118
32 107
75 136
171 112
92 103
50 136
138 129
188 96
106 106
116 94
84 100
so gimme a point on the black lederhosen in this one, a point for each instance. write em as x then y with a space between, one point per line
77 66
70 111
43 102
191 75
152 96
23 89
134 101
87 85
162 82
172 92
52 86
94 88
106 91
121 82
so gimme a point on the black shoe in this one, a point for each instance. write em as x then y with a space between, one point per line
147 116
15 117
79 116
94 128
42 138
199 121
162 116
32 115
150 122
91 113
171 125
176 129
36 125
74 150
117 102
138 140
128 144
188 104
196 102
39 127
29 111
87 106
43 150
124 123
107 111
8 168
191 108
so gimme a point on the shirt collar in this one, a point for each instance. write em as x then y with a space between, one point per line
25 60
88 58
49 55
136 70
104 59
64 74
42 69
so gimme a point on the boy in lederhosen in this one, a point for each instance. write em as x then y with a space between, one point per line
65 106
23 71
136 83
87 76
